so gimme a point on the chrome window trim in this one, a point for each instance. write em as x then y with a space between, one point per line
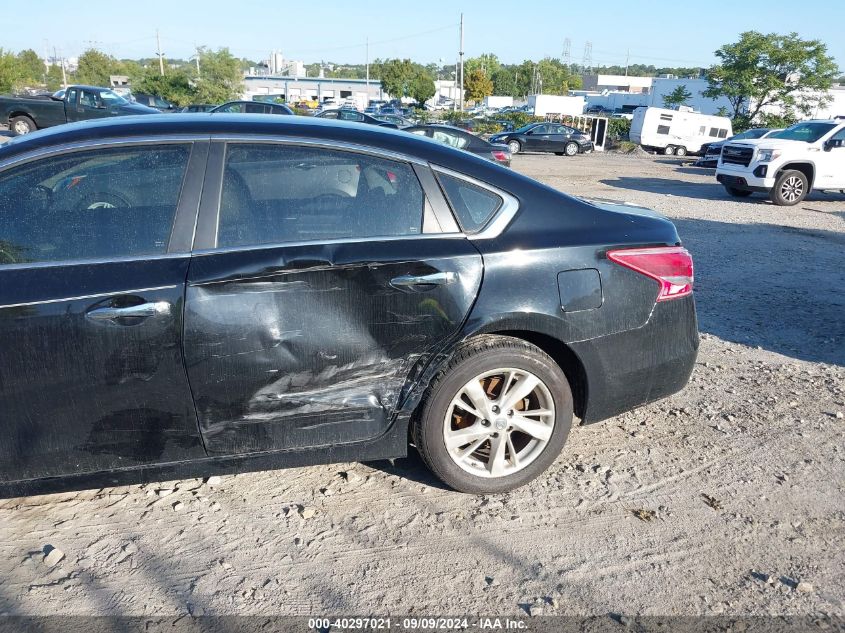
85 297
501 218
91 262
340 240
94 143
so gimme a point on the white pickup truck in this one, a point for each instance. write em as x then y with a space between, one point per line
788 164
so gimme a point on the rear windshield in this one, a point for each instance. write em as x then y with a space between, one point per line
807 132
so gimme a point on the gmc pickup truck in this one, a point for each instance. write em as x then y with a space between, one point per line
787 165
79 103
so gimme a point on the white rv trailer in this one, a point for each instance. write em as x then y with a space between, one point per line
678 132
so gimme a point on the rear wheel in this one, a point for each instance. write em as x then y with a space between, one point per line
21 125
571 149
733 192
681 151
669 150
790 188
495 418
514 147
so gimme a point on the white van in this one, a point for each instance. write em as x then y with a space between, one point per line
679 132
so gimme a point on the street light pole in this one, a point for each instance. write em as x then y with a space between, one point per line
461 54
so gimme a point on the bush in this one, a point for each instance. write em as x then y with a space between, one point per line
618 129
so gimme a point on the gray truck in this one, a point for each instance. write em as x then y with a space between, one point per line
76 103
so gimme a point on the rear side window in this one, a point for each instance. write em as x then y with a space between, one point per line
274 194
93 204
473 205
662 129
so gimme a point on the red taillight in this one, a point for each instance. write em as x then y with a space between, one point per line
500 156
670 266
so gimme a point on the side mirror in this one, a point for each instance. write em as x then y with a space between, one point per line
834 143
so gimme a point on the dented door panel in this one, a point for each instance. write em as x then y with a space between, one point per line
312 345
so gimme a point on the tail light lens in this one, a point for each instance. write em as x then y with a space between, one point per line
669 266
500 156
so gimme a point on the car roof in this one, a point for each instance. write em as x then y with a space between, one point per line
259 125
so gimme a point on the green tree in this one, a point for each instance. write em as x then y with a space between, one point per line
95 68
679 96
175 85
488 62
396 77
422 87
32 67
10 71
764 70
220 78
54 78
477 85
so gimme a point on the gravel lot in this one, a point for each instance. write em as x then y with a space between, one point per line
724 499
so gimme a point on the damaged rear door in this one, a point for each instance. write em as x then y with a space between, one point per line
323 279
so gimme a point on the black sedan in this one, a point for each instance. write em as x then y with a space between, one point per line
353 116
460 139
546 137
201 294
252 107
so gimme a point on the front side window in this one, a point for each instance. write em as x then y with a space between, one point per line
91 204
474 205
540 129
274 194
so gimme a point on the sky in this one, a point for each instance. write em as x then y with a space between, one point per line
662 33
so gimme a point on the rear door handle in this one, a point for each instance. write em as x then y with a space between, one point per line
141 311
418 281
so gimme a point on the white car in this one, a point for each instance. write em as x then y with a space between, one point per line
788 164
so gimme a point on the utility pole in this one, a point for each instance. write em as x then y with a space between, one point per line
627 58
197 49
461 54
368 69
62 62
160 56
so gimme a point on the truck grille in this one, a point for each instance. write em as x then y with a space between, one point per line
737 155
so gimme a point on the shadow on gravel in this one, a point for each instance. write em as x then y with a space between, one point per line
411 467
774 287
669 186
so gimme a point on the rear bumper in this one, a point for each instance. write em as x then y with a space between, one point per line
635 367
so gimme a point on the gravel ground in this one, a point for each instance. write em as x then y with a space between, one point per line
724 499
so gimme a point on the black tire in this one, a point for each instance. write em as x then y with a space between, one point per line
571 149
680 151
669 150
733 192
791 187
558 153
478 355
21 125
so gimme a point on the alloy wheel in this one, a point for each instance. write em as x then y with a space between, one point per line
792 188
499 422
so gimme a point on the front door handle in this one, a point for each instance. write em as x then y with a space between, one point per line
420 281
141 311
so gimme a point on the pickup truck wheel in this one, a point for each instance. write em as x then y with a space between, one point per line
681 151
669 150
495 418
733 192
21 125
790 188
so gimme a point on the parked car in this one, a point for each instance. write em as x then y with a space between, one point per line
788 165
252 107
354 117
78 103
197 295
546 137
198 107
397 120
710 152
153 101
460 139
